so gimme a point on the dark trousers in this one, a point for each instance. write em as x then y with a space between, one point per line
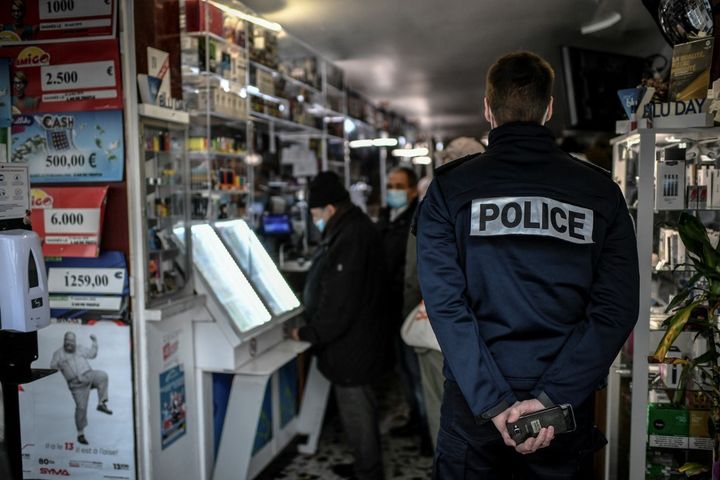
408 369
358 414
467 450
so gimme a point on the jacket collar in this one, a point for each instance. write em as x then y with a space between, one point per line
526 135
337 221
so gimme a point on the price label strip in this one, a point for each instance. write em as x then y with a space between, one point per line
81 79
81 302
87 280
72 14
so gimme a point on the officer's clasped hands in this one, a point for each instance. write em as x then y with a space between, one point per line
511 415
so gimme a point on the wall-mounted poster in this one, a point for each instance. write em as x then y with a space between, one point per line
45 20
78 422
65 77
173 416
72 147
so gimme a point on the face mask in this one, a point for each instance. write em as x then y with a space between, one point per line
397 198
320 224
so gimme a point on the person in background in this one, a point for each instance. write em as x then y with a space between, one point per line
394 223
431 361
345 311
528 266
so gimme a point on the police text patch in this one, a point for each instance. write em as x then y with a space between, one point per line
531 216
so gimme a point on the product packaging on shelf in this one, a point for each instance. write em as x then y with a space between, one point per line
668 426
698 430
670 187
203 16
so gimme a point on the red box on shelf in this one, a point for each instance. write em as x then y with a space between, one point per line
195 14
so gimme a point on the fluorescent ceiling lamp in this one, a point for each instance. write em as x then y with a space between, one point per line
253 159
410 152
275 27
385 142
422 160
361 143
602 23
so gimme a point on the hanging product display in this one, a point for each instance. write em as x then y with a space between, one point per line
69 219
67 429
42 20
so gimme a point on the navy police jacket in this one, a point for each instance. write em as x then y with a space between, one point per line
528 266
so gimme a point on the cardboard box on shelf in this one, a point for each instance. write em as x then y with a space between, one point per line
698 430
202 16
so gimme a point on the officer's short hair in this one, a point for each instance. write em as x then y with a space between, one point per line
409 173
519 87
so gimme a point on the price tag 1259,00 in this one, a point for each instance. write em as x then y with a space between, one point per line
72 220
87 280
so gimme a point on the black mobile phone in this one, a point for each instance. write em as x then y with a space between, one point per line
561 417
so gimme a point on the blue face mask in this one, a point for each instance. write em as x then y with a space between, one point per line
320 224
397 198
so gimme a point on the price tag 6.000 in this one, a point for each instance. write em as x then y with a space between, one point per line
72 220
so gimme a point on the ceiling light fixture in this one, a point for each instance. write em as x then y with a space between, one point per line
410 152
361 143
385 142
422 160
378 142
604 22
275 27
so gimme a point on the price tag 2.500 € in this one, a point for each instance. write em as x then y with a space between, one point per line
72 220
87 280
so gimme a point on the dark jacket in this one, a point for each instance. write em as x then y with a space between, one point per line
395 238
344 301
528 266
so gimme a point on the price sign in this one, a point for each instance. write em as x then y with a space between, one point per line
69 220
72 220
64 9
87 280
78 75
43 20
65 77
70 147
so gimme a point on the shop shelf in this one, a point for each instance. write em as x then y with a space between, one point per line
284 124
216 38
202 155
288 78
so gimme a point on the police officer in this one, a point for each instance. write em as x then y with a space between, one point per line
528 266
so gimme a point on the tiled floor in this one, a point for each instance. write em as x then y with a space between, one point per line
401 455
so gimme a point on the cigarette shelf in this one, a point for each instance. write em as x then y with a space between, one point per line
288 78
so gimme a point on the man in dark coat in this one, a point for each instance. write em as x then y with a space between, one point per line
345 312
394 224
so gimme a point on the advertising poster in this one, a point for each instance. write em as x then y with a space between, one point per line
65 77
78 423
70 147
5 94
39 20
172 405
69 221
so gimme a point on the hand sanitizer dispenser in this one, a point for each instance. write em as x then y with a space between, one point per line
24 304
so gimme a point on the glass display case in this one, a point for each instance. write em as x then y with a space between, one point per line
234 293
260 269
166 207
